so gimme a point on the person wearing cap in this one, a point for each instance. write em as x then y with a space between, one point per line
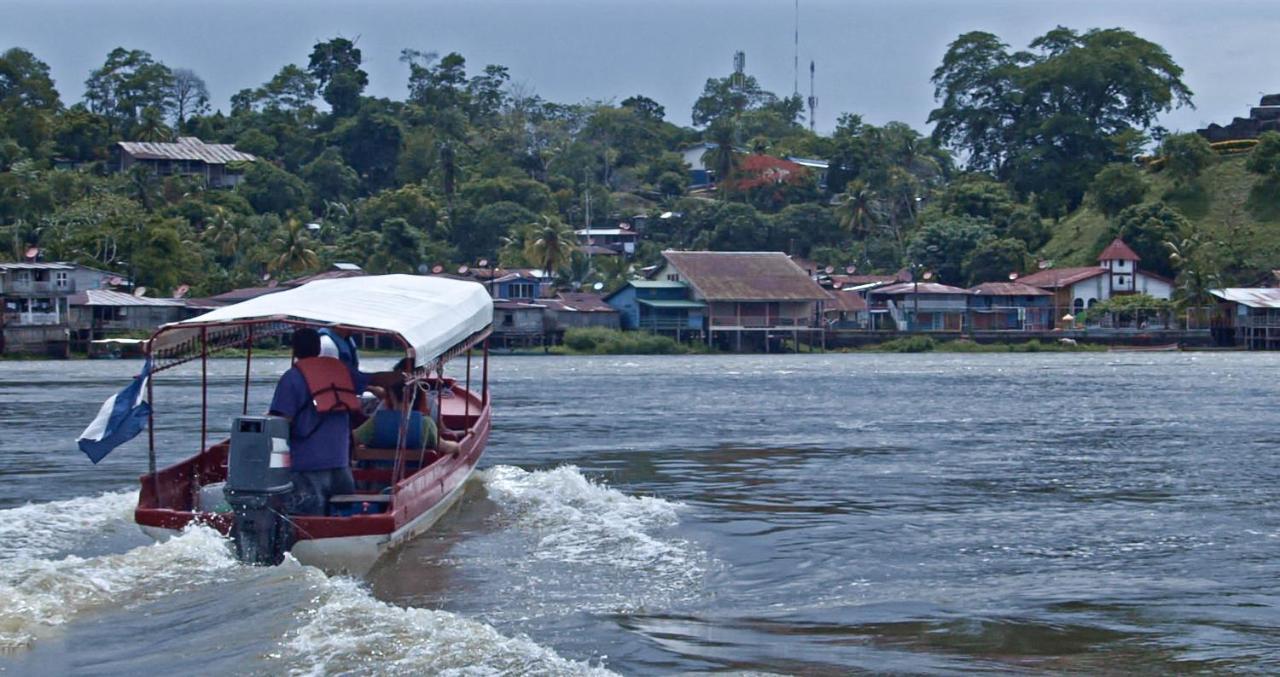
318 396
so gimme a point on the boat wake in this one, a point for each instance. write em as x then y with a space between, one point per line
338 626
618 547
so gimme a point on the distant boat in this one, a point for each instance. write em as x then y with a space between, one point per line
117 348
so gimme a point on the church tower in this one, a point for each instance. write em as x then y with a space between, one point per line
1121 263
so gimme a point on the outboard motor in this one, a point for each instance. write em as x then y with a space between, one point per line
257 486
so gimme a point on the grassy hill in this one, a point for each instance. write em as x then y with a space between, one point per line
1227 201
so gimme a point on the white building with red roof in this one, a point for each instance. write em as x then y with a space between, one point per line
1117 274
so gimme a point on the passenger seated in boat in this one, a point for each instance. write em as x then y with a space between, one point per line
318 396
382 430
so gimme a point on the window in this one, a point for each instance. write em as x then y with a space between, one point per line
508 319
1078 305
61 279
1093 302
673 277
521 290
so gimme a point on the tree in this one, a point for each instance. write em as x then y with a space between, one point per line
1117 186
293 250
335 64
28 100
1146 229
371 143
721 158
725 98
151 126
645 107
1185 156
270 189
552 246
478 236
129 82
1048 119
1196 259
798 228
944 245
190 95
738 227
330 178
1264 159
994 259
856 211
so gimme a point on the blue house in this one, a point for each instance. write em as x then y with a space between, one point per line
1010 306
659 306
520 284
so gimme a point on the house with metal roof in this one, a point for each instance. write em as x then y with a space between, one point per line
35 299
102 313
188 156
1117 273
1009 306
570 310
918 306
1247 317
659 306
751 296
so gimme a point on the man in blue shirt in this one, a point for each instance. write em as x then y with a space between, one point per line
319 444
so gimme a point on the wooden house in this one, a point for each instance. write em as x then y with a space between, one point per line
918 306
188 156
1248 317
660 307
1009 306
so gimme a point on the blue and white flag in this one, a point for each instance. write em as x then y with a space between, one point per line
120 419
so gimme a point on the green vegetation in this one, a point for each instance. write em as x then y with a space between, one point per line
468 166
601 341
927 344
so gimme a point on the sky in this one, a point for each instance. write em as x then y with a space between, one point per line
873 58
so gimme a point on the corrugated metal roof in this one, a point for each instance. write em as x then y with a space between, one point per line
106 297
187 148
920 288
1007 289
1253 297
657 284
34 265
845 301
1054 278
745 276
670 303
582 302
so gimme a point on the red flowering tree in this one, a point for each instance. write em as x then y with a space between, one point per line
770 183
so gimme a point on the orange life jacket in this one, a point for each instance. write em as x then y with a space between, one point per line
329 381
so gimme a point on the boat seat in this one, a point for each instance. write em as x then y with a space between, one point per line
360 498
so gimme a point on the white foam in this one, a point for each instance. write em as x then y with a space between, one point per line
43 529
578 520
350 632
39 594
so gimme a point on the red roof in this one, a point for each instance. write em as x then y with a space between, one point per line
745 276
1118 251
1055 278
1007 289
845 301
582 302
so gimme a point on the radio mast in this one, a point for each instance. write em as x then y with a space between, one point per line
795 88
813 98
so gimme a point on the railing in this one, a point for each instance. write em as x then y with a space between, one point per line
29 319
37 287
760 322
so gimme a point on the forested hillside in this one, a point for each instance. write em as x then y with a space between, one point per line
469 166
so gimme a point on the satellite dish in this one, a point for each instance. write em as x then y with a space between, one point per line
1042 264
850 269
462 270
830 269
181 291
482 263
273 284
928 275
266 276
624 226
33 252
140 292
1013 276
437 269
665 215
837 285
598 286
423 269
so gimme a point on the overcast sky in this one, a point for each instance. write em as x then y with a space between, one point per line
873 58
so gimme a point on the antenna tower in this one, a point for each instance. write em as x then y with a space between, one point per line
813 99
739 69
795 87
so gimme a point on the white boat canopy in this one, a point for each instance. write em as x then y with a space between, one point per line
431 314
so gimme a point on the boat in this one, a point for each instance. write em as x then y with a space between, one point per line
401 493
117 348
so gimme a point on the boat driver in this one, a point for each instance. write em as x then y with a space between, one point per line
318 395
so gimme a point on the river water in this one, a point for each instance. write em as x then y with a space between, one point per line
801 514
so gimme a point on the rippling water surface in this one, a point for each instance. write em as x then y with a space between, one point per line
818 514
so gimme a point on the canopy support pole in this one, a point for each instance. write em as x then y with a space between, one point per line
466 405
248 359
484 387
151 436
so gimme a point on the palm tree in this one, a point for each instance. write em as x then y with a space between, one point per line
553 244
294 247
151 126
721 158
856 210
